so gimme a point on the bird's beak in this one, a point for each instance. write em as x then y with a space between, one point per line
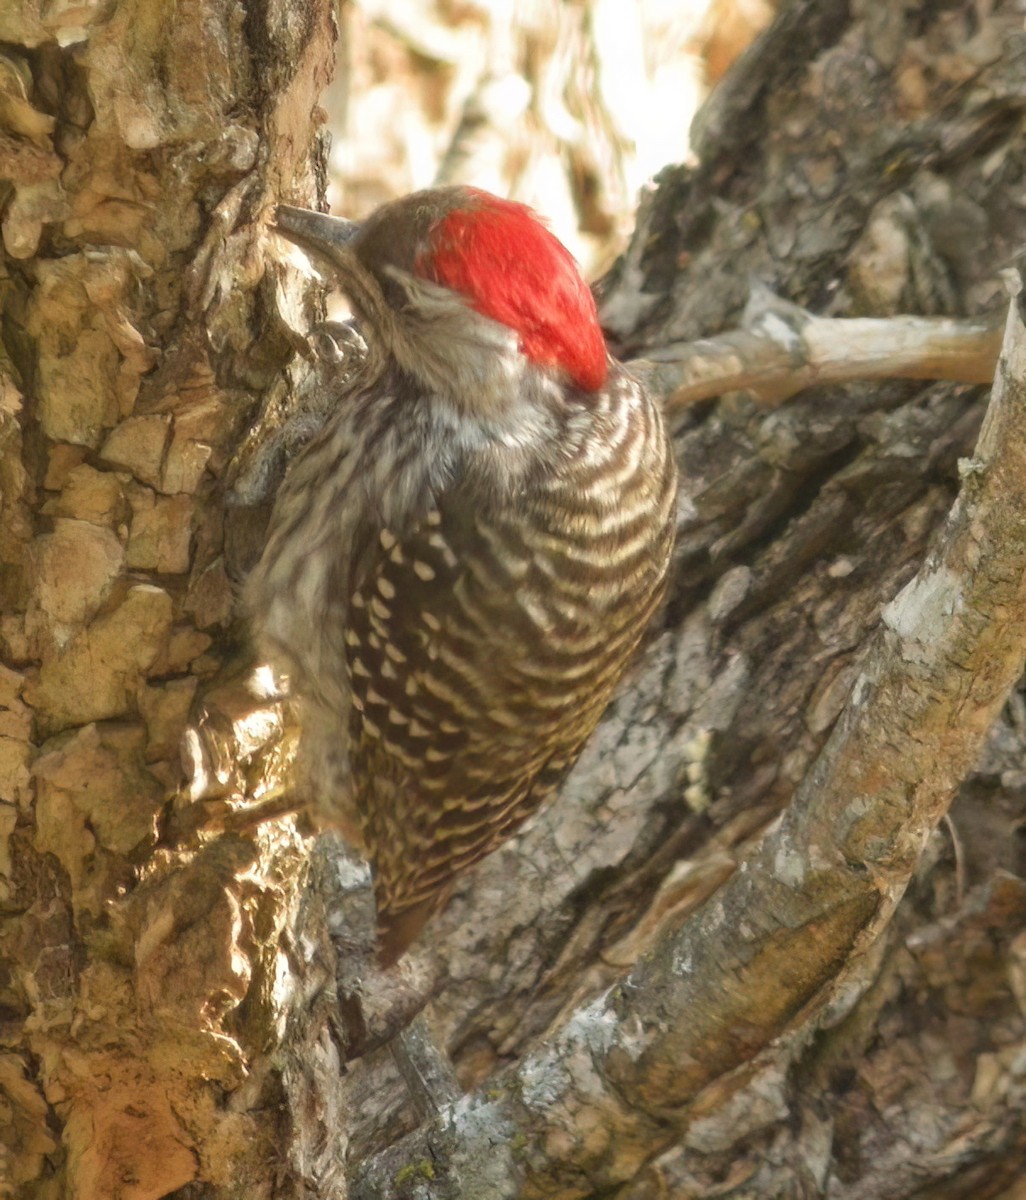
313 230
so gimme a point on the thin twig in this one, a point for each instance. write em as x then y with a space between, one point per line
423 1065
959 853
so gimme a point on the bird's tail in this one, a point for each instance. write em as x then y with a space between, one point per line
398 929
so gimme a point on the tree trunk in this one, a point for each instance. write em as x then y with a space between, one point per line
141 146
630 1013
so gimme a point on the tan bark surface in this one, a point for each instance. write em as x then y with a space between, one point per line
140 146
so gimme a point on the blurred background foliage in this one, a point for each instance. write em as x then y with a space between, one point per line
567 105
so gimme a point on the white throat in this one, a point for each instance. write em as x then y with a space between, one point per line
454 349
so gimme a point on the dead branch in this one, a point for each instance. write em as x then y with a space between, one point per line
781 349
785 938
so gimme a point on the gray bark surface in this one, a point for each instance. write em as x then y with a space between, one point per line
842 172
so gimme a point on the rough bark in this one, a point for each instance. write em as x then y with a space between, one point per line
167 987
140 147
860 164
786 943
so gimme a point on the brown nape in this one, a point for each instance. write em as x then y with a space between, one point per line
398 930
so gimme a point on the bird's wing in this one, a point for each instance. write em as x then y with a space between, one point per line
458 705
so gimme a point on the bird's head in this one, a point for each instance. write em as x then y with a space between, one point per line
464 290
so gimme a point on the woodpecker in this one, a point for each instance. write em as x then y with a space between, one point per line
460 564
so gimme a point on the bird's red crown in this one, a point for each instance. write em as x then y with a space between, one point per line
502 258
